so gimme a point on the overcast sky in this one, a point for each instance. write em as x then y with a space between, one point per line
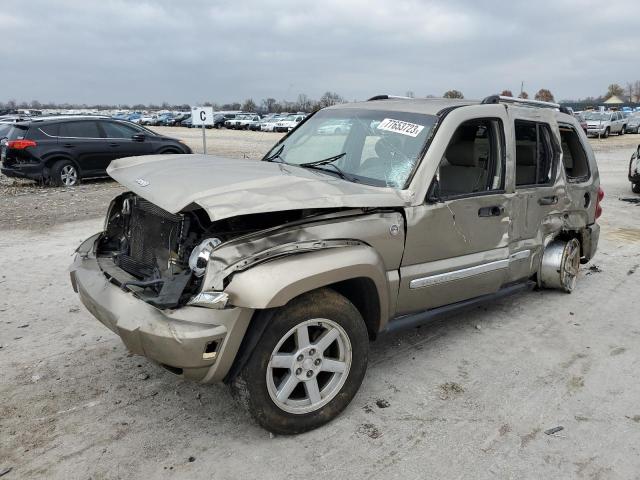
119 51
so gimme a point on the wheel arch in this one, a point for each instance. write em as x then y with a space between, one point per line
356 272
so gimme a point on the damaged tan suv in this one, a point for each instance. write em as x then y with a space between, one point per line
273 276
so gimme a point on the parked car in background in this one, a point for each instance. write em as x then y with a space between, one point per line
242 122
288 123
284 270
65 150
148 119
634 171
172 121
633 123
582 121
268 124
335 127
604 124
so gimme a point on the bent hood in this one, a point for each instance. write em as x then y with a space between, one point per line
228 188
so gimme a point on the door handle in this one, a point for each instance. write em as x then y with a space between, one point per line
114 144
552 200
494 211
68 145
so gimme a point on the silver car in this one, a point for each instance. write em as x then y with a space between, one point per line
603 124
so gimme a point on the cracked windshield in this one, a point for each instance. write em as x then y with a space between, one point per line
372 147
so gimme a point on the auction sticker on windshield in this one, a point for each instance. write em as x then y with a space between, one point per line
398 126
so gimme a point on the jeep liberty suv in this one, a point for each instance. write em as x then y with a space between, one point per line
273 276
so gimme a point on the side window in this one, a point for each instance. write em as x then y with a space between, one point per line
535 153
79 130
474 159
118 130
574 158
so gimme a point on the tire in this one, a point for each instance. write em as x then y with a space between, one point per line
64 174
635 187
280 398
624 129
606 133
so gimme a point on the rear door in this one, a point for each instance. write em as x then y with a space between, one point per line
83 141
125 140
539 197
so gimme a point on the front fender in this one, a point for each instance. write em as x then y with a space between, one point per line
274 283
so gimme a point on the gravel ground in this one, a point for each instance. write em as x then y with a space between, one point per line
470 397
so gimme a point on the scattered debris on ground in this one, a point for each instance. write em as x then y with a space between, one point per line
633 269
553 430
449 390
4 471
370 430
382 403
635 200
594 269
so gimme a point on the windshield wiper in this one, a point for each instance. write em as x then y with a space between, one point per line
272 158
324 161
329 162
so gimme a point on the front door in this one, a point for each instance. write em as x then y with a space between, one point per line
125 140
457 244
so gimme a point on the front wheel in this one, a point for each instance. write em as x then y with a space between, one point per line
606 133
624 129
307 366
635 187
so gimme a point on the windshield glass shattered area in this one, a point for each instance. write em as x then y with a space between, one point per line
375 147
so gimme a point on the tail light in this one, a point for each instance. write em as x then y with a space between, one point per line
600 197
21 144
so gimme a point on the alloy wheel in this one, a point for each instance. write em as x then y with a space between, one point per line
309 366
69 175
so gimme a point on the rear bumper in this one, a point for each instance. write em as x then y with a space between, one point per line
202 342
24 170
589 241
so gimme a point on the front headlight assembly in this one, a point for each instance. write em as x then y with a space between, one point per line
199 258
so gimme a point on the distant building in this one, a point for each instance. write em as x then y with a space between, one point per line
613 100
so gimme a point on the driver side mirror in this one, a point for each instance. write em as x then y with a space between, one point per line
138 137
433 194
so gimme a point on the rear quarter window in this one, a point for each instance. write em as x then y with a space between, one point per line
17 132
50 130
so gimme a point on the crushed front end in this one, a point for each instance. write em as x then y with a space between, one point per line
136 279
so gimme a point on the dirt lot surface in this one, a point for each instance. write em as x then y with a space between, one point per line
469 397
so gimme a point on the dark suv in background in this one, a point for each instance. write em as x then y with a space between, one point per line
64 150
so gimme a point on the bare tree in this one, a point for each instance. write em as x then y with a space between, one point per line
523 95
330 98
410 94
506 93
249 105
453 94
636 91
614 90
629 91
304 102
544 95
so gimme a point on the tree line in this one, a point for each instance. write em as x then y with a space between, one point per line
629 93
303 104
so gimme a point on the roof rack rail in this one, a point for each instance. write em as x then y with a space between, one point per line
388 97
492 99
